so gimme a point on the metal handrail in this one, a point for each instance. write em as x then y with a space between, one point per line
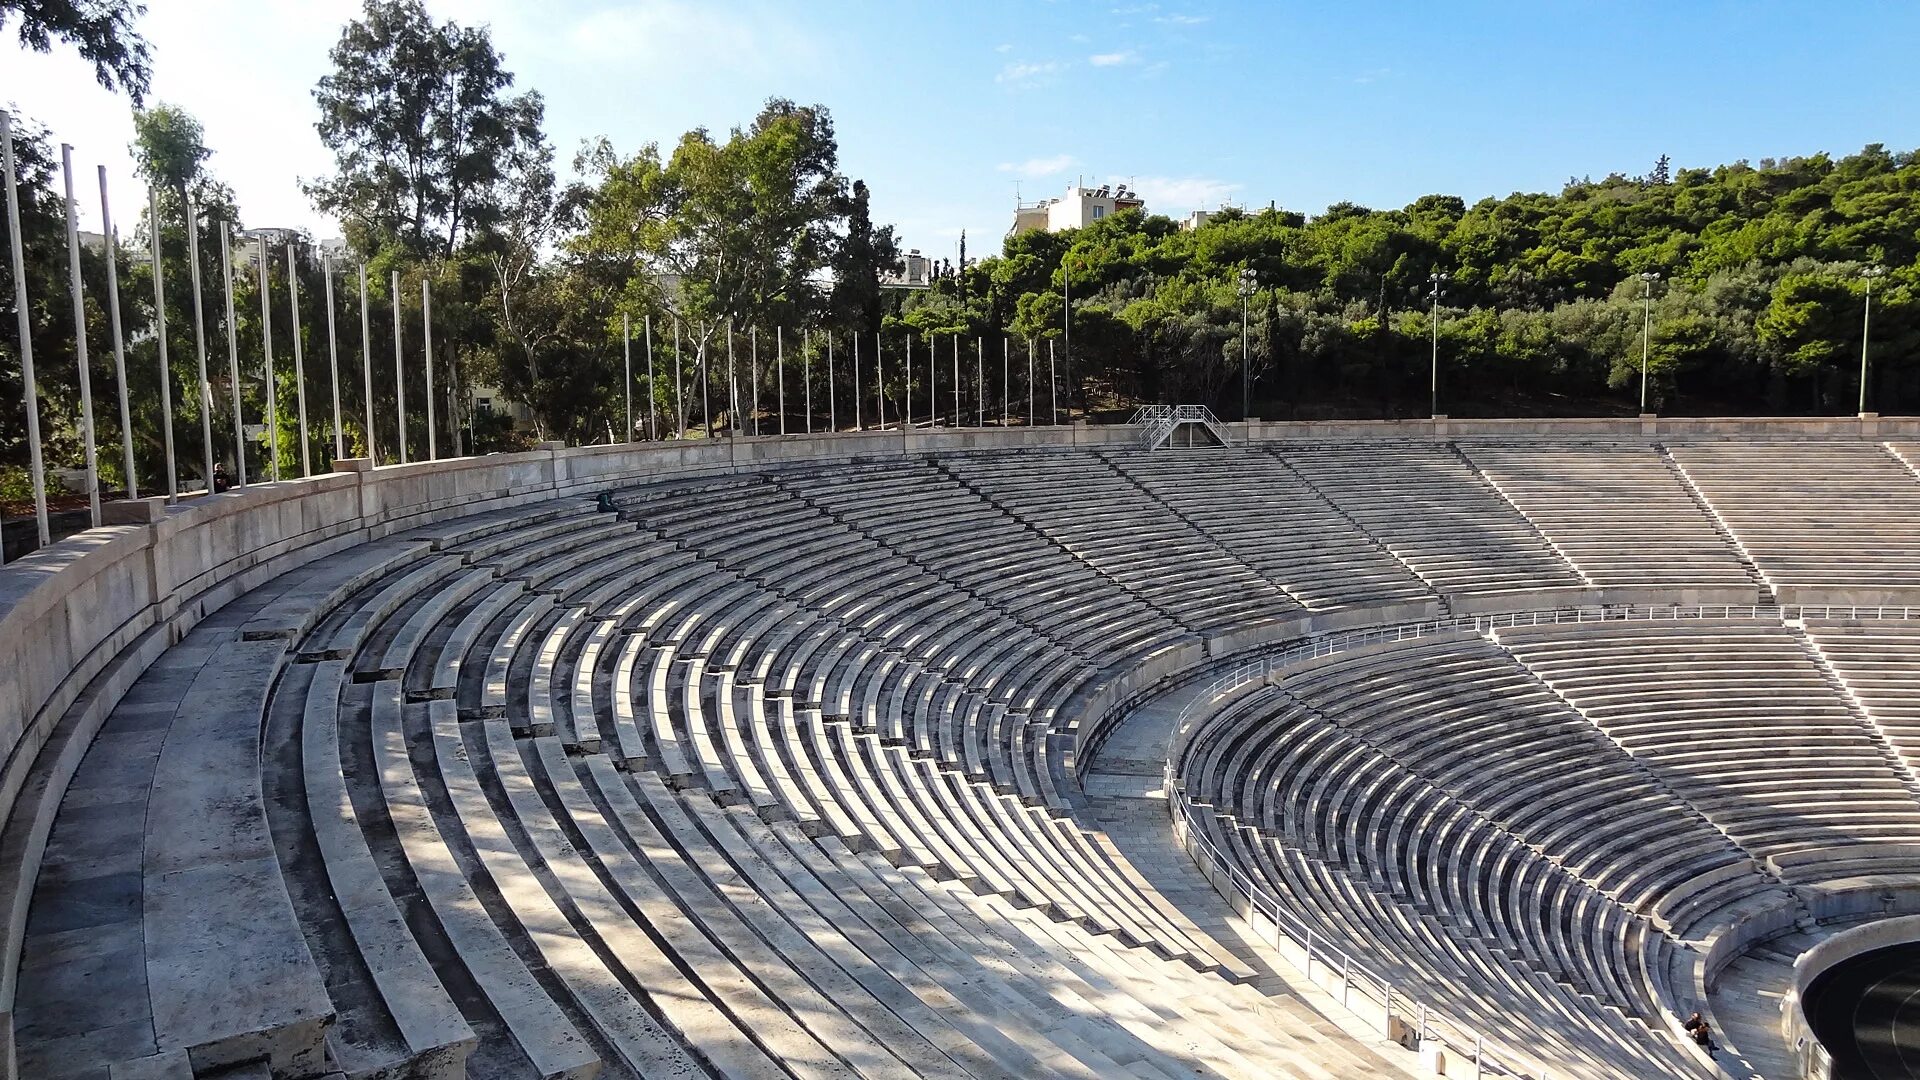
1429 1022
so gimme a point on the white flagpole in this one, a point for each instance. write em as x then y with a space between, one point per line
333 360
1029 382
653 410
880 379
426 323
233 356
780 368
366 365
1006 382
806 373
119 341
833 418
1053 386
299 361
160 323
706 390
956 381
734 426
679 400
32 392
399 375
80 336
980 381
626 360
753 379
857 425
266 347
909 380
200 342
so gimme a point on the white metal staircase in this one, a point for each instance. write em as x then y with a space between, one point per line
1158 423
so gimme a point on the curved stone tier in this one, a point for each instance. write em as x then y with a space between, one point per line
434 771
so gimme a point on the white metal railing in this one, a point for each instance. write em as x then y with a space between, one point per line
1233 883
1157 422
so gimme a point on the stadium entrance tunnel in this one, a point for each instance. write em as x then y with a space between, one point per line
1866 1012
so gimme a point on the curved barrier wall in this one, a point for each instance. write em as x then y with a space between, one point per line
80 620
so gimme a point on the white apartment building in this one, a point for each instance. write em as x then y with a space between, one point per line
1079 207
915 272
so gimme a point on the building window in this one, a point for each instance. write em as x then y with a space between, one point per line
1099 212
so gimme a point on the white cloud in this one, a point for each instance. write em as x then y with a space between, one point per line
1181 20
1114 59
1033 168
1028 73
1175 195
678 36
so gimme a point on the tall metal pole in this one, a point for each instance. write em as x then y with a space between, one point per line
266 359
1029 382
333 359
1438 281
833 418
780 373
119 339
1006 382
806 374
366 366
626 368
1246 361
956 381
753 379
907 382
706 391
299 361
233 357
29 387
880 380
80 337
1066 325
857 426
160 325
734 426
1053 386
205 389
933 382
426 323
399 374
679 400
1866 329
653 408
980 381
1646 334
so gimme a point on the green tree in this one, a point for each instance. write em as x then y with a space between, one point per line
423 131
102 31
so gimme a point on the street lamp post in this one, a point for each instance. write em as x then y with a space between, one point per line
1438 283
1866 326
1649 279
1248 281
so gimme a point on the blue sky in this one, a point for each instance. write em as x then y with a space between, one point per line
944 108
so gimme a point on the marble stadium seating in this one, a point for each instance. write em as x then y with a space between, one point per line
776 772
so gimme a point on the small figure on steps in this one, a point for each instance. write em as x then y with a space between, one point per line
1697 1027
221 481
604 503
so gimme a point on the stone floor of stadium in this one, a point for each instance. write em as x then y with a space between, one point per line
1347 750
